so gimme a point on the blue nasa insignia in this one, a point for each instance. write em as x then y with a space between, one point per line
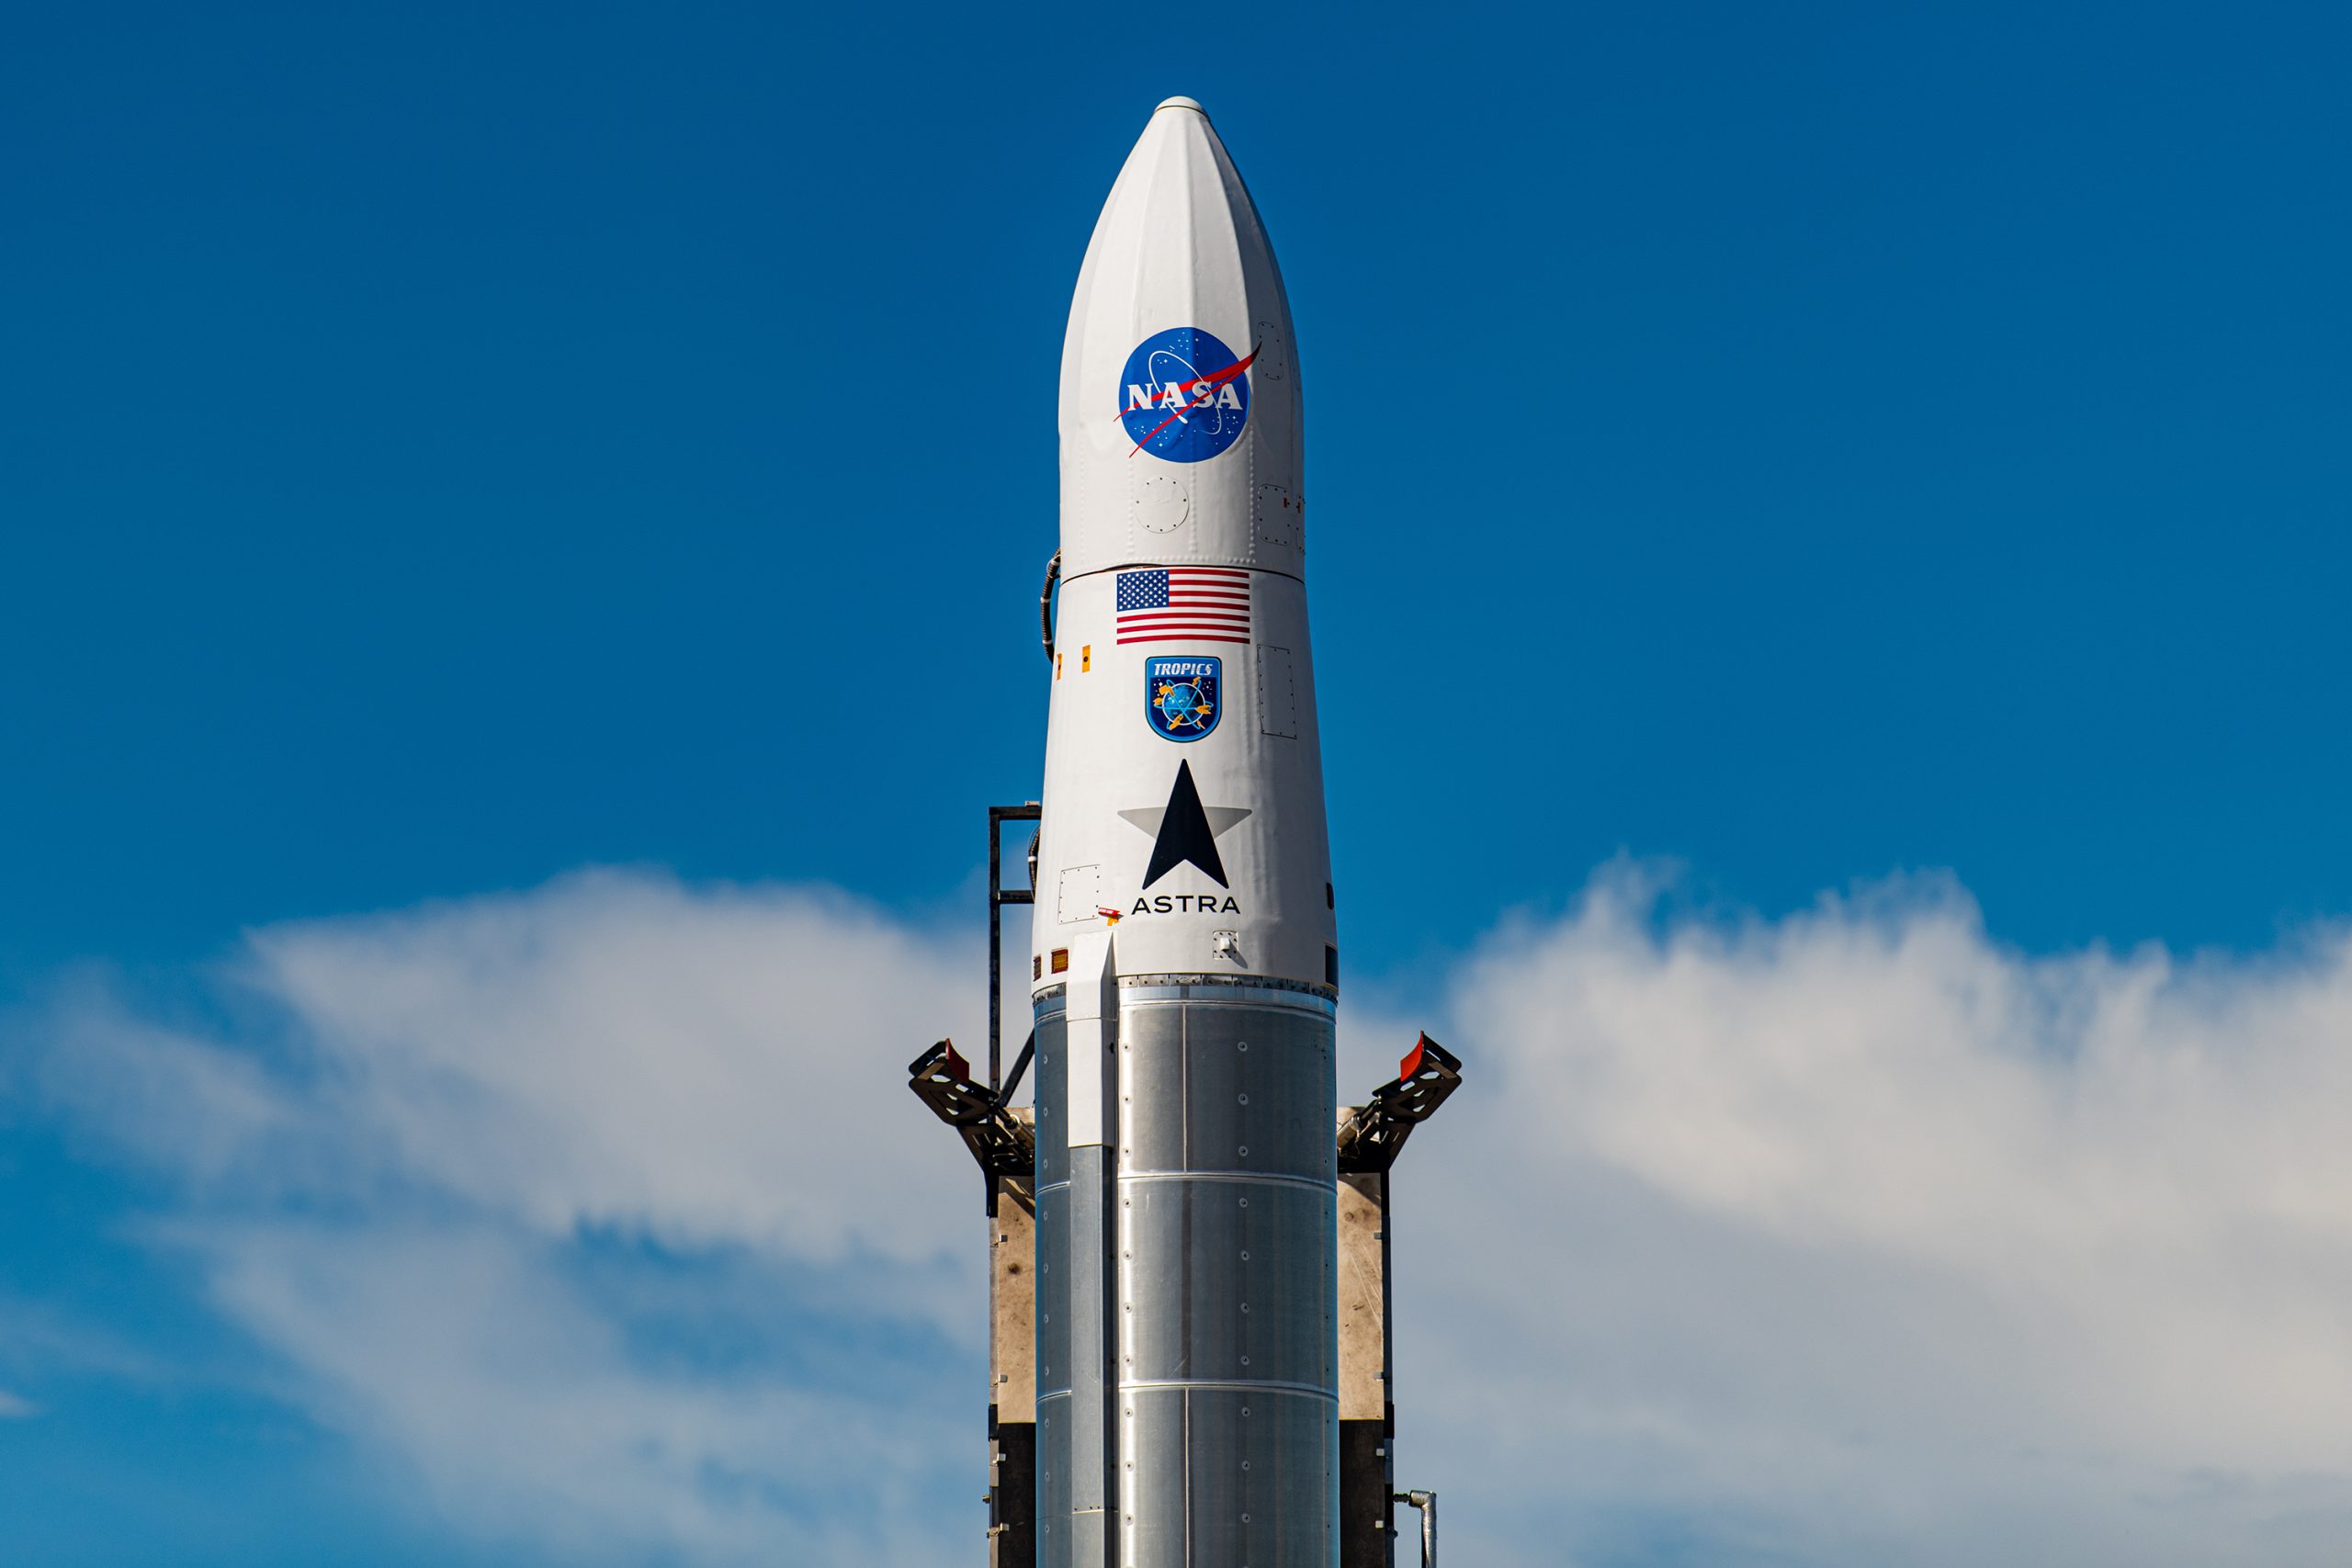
1180 696
1185 396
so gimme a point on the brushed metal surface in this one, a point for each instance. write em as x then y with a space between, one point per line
1053 1290
1228 1282
1227 1478
1054 1537
1094 1437
1227 1087
1227 1237
1187 1313
1053 1239
1050 1073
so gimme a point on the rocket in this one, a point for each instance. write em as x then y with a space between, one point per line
1191 1351
1184 960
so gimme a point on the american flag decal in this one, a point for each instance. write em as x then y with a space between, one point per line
1189 604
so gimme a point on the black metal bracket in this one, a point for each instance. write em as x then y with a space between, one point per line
1376 1135
1003 1143
998 896
1001 1139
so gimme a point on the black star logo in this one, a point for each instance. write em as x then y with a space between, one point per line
1184 831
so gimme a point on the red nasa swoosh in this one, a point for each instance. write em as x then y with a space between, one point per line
1227 374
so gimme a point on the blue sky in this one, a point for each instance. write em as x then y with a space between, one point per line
448 450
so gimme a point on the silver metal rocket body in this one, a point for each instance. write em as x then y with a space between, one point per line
1184 964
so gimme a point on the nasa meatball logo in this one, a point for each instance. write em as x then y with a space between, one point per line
1179 697
1185 396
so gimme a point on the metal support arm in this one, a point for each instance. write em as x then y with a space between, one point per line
1371 1137
1001 1140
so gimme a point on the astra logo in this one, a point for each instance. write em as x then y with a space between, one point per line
1184 831
1186 903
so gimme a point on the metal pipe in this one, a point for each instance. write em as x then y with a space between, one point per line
1046 605
1020 1066
1426 1503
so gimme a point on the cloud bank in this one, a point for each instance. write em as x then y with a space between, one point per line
600 1210
1851 1237
1845 1238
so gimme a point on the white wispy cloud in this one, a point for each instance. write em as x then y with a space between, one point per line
1854 1237
17 1407
1849 1238
471 1168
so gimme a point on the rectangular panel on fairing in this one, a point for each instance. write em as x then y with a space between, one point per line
1081 892
1277 518
1277 700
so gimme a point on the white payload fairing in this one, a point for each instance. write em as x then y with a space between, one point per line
1185 961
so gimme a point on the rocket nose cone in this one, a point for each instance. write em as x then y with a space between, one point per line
1179 183
1180 314
1177 156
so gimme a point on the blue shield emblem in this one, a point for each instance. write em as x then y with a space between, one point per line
1180 699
